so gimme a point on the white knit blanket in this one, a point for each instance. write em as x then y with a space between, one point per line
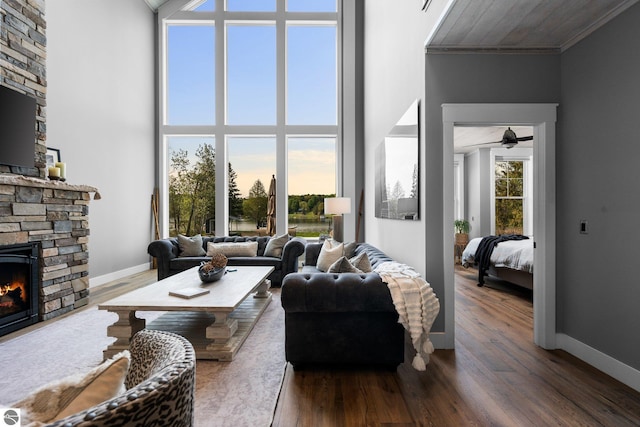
417 306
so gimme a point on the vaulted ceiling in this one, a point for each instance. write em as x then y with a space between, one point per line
511 25
508 26
155 4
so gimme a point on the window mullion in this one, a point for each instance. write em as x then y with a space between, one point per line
222 202
220 130
281 96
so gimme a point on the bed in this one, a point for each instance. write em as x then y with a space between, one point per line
511 260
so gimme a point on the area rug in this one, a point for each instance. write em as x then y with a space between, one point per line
243 392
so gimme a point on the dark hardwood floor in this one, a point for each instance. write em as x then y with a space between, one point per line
495 377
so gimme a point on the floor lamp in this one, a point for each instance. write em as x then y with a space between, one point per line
337 206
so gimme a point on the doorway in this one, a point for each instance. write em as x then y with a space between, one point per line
542 118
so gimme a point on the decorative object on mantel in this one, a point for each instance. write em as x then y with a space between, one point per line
214 269
57 169
63 170
54 173
52 156
27 181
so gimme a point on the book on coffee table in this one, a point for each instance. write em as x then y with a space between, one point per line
188 292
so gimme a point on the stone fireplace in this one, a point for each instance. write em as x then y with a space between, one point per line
52 215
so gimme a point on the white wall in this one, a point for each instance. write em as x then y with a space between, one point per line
100 114
394 77
478 192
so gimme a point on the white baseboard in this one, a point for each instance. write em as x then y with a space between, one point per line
440 341
607 364
101 280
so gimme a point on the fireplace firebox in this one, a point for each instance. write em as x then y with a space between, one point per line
18 286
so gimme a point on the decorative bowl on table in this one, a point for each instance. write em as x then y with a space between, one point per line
214 269
211 275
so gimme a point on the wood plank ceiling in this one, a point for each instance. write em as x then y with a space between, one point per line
509 26
518 25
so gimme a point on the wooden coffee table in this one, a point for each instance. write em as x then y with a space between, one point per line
216 323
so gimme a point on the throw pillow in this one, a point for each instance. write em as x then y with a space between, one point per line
233 249
361 262
328 255
76 393
191 246
349 247
275 245
342 265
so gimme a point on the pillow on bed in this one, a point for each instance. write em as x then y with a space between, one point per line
233 249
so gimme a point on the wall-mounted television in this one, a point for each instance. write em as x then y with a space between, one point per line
17 128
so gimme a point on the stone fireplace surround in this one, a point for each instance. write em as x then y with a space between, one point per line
54 214
32 208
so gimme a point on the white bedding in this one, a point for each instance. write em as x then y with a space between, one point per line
513 254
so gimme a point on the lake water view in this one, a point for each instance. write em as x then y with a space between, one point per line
303 227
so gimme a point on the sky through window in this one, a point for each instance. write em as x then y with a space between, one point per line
250 96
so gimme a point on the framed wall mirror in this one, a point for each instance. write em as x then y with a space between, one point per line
397 171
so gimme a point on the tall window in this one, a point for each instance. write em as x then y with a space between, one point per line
509 197
249 92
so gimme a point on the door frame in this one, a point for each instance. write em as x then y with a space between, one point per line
542 117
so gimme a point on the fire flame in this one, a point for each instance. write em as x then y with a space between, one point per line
17 282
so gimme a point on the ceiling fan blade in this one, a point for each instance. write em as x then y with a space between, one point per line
522 138
486 143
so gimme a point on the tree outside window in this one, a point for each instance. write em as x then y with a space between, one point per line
509 197
261 101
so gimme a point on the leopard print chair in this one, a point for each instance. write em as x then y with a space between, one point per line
160 387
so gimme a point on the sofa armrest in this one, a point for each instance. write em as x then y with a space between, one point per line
335 292
291 251
312 252
164 251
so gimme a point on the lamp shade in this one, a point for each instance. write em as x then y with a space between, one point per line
337 205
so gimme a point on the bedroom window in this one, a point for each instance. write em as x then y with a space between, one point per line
509 197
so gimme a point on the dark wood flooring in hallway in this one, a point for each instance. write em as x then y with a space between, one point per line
495 377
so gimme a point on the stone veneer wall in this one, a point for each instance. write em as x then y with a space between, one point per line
55 215
32 209
23 65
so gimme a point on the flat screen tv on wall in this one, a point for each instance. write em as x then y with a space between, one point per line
17 128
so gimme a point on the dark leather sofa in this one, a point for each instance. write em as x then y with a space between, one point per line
166 252
340 318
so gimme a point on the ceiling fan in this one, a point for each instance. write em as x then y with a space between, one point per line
509 139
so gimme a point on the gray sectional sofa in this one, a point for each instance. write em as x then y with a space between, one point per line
169 261
340 318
